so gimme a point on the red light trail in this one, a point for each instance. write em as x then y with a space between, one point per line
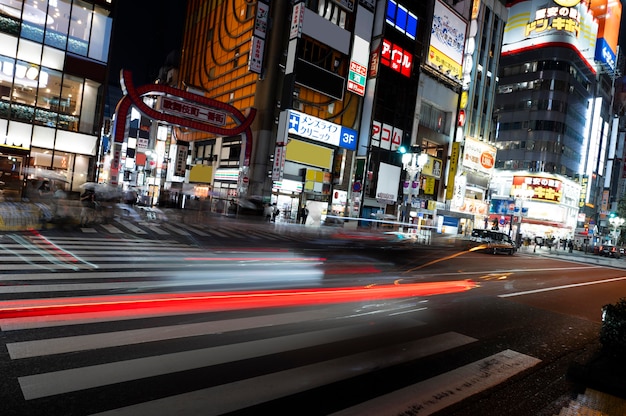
213 301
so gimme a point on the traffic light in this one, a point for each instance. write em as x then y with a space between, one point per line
402 150
612 215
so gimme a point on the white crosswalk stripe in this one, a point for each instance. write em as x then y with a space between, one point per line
91 355
224 230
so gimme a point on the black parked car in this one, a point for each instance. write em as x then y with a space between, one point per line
609 250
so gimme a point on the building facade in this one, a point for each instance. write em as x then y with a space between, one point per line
554 103
53 58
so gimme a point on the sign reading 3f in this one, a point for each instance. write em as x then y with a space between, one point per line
314 128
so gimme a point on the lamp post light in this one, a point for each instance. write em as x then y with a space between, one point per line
617 223
412 163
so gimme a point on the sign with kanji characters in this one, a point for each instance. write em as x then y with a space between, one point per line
192 111
538 24
279 163
447 41
357 75
544 188
255 58
319 130
297 19
181 160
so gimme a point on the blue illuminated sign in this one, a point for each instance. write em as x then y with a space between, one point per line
403 20
320 130
605 54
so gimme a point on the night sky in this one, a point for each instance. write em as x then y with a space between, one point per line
144 33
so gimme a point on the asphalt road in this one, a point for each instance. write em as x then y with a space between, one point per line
94 324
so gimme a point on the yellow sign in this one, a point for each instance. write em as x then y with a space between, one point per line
567 3
429 186
454 163
445 64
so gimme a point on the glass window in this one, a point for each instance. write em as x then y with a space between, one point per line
34 19
88 108
100 35
80 28
56 34
71 97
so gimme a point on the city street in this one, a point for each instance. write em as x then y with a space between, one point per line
104 325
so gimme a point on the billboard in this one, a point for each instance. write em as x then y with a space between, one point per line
538 23
543 188
447 41
479 156
609 14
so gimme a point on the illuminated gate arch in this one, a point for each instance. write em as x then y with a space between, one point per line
133 96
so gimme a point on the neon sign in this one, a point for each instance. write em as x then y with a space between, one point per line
396 58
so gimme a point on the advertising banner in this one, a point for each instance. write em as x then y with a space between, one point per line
544 189
447 41
479 156
539 23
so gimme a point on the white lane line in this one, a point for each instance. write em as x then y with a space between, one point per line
43 347
241 394
446 389
75 379
573 285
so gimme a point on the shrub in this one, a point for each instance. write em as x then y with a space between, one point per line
613 332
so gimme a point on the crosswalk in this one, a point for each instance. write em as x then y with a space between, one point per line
86 334
220 230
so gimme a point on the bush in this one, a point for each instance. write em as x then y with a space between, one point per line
613 332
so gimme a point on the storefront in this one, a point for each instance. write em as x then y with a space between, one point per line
306 151
529 205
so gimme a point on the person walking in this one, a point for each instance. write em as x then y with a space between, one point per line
304 213
88 201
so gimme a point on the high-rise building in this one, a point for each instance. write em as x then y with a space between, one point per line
53 68
554 112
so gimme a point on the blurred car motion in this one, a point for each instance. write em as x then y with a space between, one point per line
609 250
491 241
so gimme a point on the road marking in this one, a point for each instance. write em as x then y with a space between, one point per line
76 379
112 229
131 226
157 230
194 230
548 289
175 229
241 394
437 393
43 347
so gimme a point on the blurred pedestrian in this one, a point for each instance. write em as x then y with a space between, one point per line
275 212
304 213
44 189
268 212
88 201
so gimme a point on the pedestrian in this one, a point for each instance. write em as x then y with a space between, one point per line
304 213
87 212
44 189
275 212
268 212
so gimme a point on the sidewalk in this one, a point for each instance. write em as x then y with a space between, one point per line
603 375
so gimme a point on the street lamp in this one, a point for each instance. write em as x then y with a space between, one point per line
617 223
412 163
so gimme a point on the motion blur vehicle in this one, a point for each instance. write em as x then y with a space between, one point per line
609 250
491 241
